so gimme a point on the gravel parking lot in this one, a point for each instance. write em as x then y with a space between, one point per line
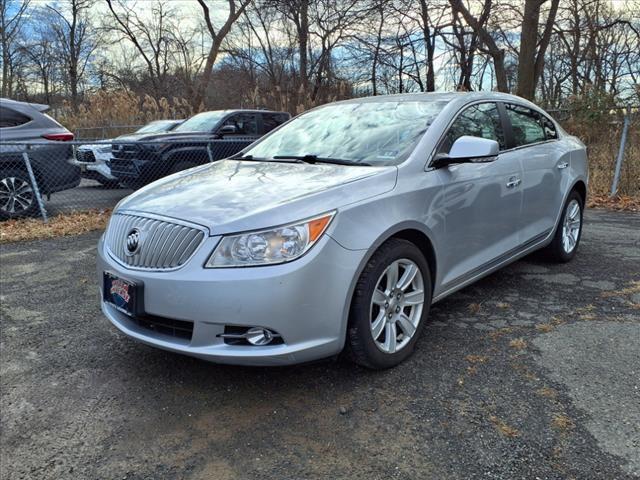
533 372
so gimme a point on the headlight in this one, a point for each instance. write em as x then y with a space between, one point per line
105 149
268 247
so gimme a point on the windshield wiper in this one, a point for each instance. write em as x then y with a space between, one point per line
316 159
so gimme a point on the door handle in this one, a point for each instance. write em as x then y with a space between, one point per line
563 165
513 182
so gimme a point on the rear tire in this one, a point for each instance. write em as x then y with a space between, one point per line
565 241
17 197
390 306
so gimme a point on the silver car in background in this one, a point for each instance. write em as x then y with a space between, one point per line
339 229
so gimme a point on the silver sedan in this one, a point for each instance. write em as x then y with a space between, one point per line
338 230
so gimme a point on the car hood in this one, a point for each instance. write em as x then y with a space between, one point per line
233 196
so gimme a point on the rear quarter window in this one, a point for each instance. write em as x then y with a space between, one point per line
550 131
11 118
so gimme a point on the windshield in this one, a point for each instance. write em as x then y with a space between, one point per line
377 133
154 127
202 122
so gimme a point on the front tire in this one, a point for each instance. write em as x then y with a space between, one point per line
565 242
390 306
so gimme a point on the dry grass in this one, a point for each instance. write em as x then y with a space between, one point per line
474 308
58 226
544 327
518 343
547 392
503 428
561 422
634 287
476 358
118 108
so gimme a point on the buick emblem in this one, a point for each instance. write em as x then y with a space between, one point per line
132 242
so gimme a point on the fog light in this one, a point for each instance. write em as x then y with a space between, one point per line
258 336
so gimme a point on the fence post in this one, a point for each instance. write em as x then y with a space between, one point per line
34 184
623 142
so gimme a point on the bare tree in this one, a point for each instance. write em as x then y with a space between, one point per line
488 43
236 9
532 48
76 40
11 23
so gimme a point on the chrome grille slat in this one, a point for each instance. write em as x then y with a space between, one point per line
165 244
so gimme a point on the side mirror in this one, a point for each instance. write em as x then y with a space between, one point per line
468 149
228 130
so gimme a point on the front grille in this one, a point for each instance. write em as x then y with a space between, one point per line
162 245
165 326
124 151
123 168
85 156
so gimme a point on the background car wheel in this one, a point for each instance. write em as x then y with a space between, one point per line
390 306
567 237
17 198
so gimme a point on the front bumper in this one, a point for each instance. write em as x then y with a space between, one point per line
92 170
306 301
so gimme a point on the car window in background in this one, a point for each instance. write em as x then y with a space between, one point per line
550 131
156 127
378 133
11 118
245 123
273 120
525 124
202 122
481 120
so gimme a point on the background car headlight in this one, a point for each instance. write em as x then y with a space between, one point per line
268 247
105 149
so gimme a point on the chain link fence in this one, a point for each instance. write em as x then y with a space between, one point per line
49 178
39 179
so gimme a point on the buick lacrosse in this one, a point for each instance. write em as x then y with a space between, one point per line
339 229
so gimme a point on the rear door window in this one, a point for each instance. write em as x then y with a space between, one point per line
11 118
480 120
525 124
272 120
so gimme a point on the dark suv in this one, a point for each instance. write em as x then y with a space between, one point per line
50 158
203 138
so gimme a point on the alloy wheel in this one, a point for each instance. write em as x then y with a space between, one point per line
16 195
571 226
396 305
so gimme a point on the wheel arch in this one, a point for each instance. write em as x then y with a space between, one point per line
581 188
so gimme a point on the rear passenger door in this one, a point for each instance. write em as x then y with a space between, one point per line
534 140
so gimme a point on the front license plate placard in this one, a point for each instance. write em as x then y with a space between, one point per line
124 295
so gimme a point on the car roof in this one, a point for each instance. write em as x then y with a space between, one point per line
460 97
7 102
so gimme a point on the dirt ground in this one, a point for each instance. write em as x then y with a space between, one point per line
533 372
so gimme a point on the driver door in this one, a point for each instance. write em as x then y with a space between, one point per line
482 201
